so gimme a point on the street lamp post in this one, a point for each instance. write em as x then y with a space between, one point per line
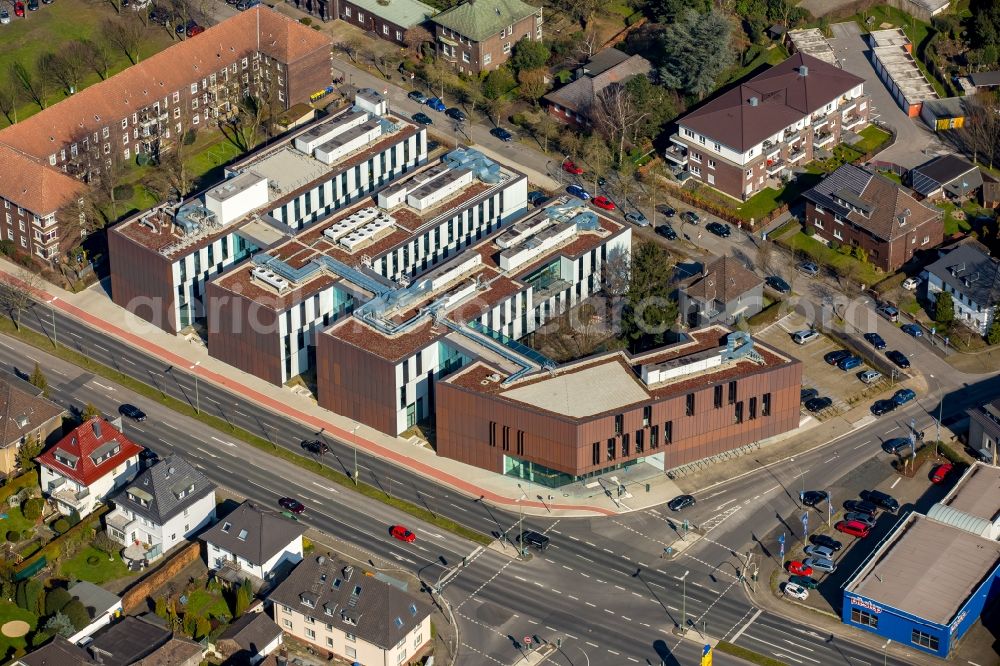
684 617
802 478
354 444
937 436
197 401
885 653
52 313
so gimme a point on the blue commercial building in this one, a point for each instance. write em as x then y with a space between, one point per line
926 583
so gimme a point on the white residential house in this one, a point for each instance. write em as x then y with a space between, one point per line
972 277
252 542
86 466
166 504
106 607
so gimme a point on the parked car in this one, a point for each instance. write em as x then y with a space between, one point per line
835 357
870 376
795 591
667 231
880 499
603 202
889 312
690 217
132 412
941 472
903 396
798 568
665 210
4 17
779 285
807 394
18 8
820 564
681 502
456 113
637 218
862 518
569 166
882 407
403 534
818 404
182 28
291 504
315 446
911 283
820 551
814 497
876 340
849 363
502 134
861 506
578 192
853 528
537 197
33 5
422 118
826 541
912 329
808 268
195 30
417 96
805 581
895 445
159 16
719 229
435 104
899 358
244 5
802 337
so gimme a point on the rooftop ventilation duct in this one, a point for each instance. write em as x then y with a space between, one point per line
754 101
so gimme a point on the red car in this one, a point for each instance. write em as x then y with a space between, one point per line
18 8
940 472
293 505
403 534
604 202
196 30
569 167
853 527
798 569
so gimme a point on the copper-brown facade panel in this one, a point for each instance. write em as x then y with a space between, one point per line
355 383
310 73
243 334
141 281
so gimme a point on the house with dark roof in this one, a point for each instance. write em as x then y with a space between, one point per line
478 35
57 652
972 277
166 504
856 207
248 640
948 176
175 652
87 466
129 640
253 542
754 134
352 613
24 413
574 102
723 292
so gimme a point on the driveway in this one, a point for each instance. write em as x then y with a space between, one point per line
914 144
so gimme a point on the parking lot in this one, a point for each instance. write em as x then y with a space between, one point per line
844 388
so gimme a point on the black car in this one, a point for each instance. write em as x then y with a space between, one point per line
835 357
690 217
422 118
861 506
808 394
680 502
818 404
132 412
896 444
159 16
899 358
417 96
456 114
814 497
315 446
779 285
535 539
502 134
826 542
32 5
880 499
883 407
293 505
667 231
719 229
876 340
665 210
185 28
537 197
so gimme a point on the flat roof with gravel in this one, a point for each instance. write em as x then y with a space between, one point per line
977 493
811 41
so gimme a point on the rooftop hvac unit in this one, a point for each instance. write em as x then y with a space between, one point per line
271 278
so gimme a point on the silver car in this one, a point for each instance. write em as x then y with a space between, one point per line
820 564
819 551
863 518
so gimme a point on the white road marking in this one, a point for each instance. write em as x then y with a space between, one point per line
862 444
106 388
592 644
327 488
747 625
895 482
592 606
572 597
555 590
222 441
780 647
830 460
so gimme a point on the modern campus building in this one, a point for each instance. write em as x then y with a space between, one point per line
753 135
933 576
143 109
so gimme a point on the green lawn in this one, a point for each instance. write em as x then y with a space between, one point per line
208 161
14 520
822 254
841 155
953 224
871 138
24 40
97 573
769 198
207 604
9 611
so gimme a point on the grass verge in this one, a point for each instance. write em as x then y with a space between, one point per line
748 655
824 255
42 342
871 138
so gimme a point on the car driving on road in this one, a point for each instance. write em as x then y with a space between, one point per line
315 446
895 445
132 412
680 502
403 534
292 505
899 358
876 340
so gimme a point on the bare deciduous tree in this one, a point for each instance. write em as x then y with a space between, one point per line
96 55
125 33
616 275
416 37
17 293
546 128
10 97
597 156
588 44
63 70
33 86
615 114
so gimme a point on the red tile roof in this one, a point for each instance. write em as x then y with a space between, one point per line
82 443
31 184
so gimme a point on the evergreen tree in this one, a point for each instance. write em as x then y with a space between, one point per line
60 624
993 334
27 453
944 308
39 381
77 613
56 600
